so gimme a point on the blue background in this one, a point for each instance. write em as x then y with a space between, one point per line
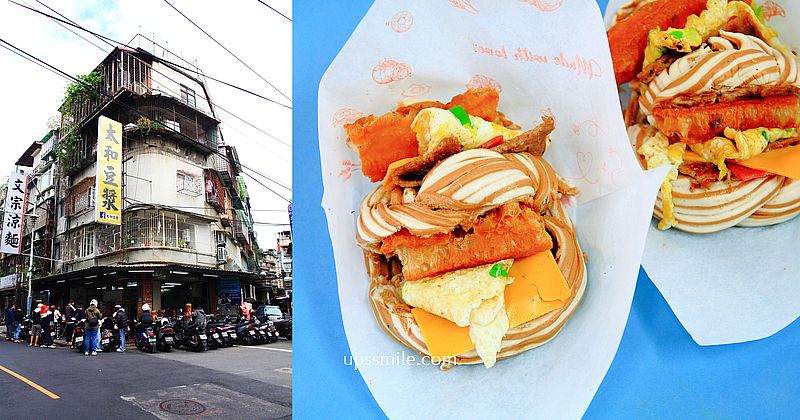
658 371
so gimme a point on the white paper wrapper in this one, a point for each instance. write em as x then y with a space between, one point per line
740 284
433 49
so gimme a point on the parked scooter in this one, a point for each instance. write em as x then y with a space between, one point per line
246 332
145 338
214 334
223 331
284 328
190 335
165 334
268 332
108 340
78 339
25 330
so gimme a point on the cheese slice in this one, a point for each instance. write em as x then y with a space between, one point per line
784 161
690 156
443 337
539 287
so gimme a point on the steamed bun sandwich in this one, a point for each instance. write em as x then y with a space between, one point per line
715 93
471 255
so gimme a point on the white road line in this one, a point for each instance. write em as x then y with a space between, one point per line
264 348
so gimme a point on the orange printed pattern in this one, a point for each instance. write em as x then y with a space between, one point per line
464 5
401 21
480 81
771 9
348 167
417 89
545 5
388 71
345 116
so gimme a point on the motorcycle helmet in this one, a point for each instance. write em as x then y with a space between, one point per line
145 307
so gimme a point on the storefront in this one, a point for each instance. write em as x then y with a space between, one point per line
166 287
8 287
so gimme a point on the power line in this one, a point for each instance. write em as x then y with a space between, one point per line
109 42
68 28
106 40
40 65
114 43
273 9
172 63
227 50
256 142
31 57
135 201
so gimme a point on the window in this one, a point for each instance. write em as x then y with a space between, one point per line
187 96
79 243
80 198
220 237
188 183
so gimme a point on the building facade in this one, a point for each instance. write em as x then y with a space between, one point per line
186 232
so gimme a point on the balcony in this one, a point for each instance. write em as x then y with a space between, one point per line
168 116
224 167
121 71
284 239
215 194
240 228
147 229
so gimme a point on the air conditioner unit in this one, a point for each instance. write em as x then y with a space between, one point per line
222 254
220 237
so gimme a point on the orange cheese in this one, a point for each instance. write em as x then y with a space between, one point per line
784 161
387 179
690 156
539 287
443 337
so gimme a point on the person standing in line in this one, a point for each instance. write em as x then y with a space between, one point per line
121 325
18 319
92 327
36 326
97 334
10 321
47 327
57 319
69 314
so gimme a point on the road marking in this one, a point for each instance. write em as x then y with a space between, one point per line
284 370
265 348
29 382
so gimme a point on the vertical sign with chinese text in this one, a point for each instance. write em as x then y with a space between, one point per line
14 213
109 171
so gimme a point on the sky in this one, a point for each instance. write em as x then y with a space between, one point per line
257 35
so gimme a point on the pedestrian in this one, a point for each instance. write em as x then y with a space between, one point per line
69 317
36 325
57 319
47 327
92 326
10 321
97 334
18 319
120 324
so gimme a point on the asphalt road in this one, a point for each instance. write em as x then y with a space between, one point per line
247 382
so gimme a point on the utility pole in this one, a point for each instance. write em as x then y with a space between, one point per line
30 259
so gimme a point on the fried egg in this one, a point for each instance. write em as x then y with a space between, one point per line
432 125
471 297
739 145
658 152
